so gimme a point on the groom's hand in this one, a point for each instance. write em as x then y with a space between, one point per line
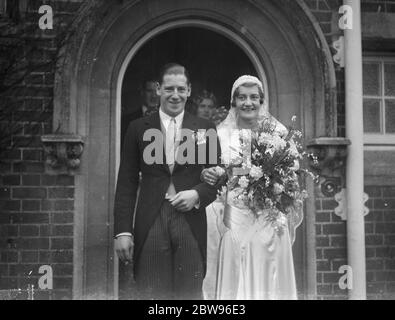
184 201
124 247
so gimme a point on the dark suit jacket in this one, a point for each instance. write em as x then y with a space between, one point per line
155 181
126 120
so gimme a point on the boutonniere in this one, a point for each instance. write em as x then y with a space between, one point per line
199 137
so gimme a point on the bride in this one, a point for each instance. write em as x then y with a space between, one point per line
246 258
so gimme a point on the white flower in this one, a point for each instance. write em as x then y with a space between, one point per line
222 194
243 182
270 151
267 181
256 172
278 142
293 119
298 133
201 137
282 220
265 139
296 166
219 171
255 154
246 165
293 150
277 188
269 203
245 134
236 161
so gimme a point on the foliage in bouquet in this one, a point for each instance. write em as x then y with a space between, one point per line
269 177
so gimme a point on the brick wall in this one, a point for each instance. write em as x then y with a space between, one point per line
380 242
380 222
36 209
331 248
378 6
331 239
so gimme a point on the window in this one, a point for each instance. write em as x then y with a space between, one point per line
3 8
379 100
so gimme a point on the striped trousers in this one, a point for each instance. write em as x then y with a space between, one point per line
170 265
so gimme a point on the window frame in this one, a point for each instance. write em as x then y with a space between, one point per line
384 138
3 8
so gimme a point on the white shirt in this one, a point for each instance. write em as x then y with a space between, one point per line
165 118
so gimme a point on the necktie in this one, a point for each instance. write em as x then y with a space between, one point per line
170 143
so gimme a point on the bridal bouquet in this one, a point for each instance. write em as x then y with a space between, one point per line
266 174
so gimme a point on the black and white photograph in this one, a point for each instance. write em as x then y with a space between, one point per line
204 151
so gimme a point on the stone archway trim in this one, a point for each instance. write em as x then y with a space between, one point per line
84 102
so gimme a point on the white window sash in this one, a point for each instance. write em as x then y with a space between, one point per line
382 138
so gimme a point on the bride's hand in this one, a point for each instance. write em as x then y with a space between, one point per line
210 176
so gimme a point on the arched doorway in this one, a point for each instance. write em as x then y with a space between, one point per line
278 37
213 60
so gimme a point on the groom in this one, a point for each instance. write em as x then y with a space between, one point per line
167 241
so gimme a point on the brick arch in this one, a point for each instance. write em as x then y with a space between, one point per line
281 36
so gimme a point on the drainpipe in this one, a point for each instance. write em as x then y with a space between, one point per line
355 170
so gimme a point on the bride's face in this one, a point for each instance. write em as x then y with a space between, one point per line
247 102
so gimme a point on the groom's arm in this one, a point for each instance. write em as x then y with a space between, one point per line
208 193
127 183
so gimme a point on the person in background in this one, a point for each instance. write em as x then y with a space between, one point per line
150 104
206 105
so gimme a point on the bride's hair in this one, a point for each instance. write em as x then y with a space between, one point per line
248 85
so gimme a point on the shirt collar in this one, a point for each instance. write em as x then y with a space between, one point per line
165 118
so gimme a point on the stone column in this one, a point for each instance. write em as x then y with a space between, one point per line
355 170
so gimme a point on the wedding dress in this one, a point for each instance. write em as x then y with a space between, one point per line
246 258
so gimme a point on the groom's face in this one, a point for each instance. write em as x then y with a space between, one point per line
174 92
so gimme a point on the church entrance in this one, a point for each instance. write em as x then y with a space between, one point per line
214 62
125 43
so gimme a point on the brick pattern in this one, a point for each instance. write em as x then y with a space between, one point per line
36 209
380 242
379 227
36 227
331 246
322 10
378 6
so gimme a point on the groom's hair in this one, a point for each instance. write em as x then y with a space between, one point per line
173 68
248 85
